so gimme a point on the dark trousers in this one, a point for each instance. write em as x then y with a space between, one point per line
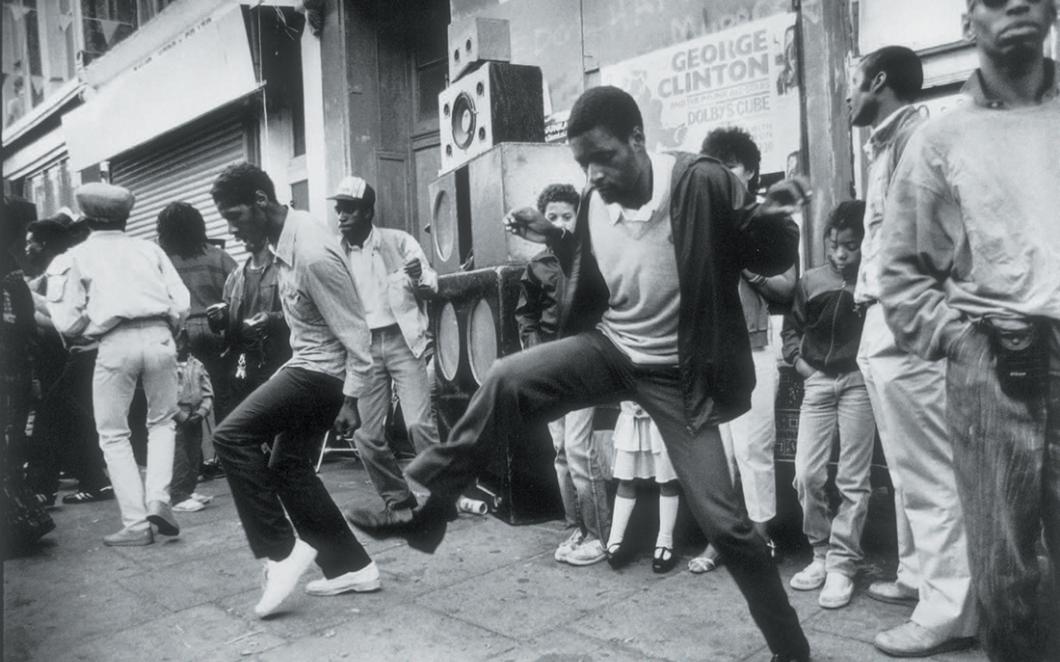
294 407
1007 460
551 379
187 457
65 431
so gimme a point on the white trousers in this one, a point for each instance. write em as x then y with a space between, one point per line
749 440
908 396
145 351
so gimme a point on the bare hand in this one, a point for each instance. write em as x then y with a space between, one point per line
348 419
255 325
530 224
786 196
804 369
414 269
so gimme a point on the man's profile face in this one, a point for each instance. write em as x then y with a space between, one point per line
611 165
354 216
246 222
861 102
1010 29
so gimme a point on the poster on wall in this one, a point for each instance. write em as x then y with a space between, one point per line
745 76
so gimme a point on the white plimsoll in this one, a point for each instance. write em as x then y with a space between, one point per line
282 576
364 580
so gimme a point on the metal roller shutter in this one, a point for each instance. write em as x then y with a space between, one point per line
182 168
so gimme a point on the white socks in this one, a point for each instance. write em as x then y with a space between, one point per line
667 520
619 519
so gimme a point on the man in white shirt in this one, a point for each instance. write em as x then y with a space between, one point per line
125 292
393 280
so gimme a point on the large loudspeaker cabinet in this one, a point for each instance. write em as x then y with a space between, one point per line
477 40
508 176
498 102
474 324
450 221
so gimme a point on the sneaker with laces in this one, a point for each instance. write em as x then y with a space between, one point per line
189 505
809 578
587 553
282 576
838 588
364 580
566 547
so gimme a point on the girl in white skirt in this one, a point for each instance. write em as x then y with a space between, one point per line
640 453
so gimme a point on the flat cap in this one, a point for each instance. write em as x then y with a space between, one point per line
105 202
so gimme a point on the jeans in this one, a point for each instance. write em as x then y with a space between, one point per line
828 401
65 432
581 475
144 350
751 437
908 397
295 407
1007 455
187 457
393 362
548 380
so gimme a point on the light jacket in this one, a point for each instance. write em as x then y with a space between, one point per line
718 231
972 220
408 300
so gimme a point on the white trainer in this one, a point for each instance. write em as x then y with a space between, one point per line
282 576
364 580
566 547
189 505
587 553
838 588
809 578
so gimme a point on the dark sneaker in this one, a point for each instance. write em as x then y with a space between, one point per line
160 514
90 496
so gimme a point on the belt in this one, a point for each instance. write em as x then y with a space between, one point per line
140 322
389 327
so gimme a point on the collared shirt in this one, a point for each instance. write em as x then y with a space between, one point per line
973 219
404 299
883 149
320 303
369 273
112 277
635 251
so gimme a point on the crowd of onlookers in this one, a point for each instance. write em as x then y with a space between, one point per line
934 322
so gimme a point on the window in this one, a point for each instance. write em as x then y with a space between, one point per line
39 47
107 22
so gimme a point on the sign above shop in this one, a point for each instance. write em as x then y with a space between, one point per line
746 76
201 69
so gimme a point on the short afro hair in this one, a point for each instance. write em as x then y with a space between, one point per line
735 145
181 230
905 73
848 215
605 106
558 193
237 184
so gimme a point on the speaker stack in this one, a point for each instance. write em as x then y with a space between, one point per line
493 159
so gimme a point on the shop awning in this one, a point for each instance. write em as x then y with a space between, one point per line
203 68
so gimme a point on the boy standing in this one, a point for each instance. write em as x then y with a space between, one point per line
821 337
194 402
579 465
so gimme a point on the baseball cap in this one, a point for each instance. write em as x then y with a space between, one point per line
355 189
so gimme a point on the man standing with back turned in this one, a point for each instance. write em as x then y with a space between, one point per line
972 272
651 314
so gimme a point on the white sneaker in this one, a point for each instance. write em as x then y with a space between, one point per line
282 576
566 547
838 588
201 498
364 580
189 505
809 578
587 553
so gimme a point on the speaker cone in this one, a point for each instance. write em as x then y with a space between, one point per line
464 120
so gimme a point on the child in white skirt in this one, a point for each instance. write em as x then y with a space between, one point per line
640 453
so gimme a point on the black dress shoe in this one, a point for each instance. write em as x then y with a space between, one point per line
368 518
424 531
619 556
664 560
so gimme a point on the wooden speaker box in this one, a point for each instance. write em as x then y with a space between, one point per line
474 325
477 40
508 176
495 103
